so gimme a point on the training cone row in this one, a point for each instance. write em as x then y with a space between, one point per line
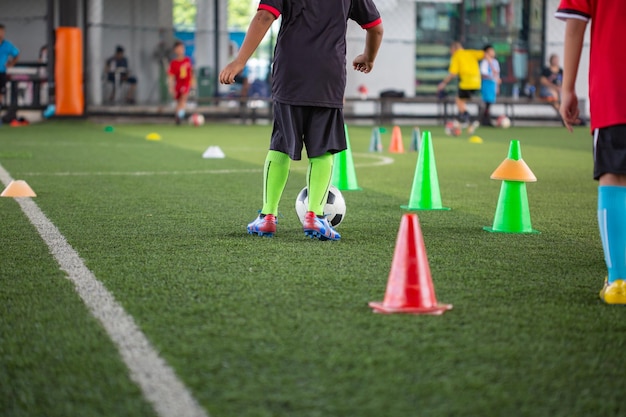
425 193
344 174
512 212
410 287
18 188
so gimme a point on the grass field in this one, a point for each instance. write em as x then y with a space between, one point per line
281 327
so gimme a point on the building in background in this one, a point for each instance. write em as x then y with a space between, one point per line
413 58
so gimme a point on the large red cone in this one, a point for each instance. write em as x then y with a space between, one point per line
410 286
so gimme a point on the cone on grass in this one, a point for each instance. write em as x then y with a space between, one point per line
410 287
425 193
153 136
512 211
344 174
415 140
213 152
18 188
396 145
376 143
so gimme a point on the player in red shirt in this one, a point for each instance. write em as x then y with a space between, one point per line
607 94
180 79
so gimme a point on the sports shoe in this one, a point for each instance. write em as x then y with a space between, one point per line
614 293
472 127
264 225
315 227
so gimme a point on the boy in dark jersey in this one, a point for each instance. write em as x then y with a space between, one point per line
607 92
308 85
180 77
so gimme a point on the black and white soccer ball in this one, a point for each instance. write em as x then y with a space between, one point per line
334 210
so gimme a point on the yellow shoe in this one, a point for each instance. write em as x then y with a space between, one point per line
614 293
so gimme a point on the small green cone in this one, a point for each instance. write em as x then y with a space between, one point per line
425 194
344 174
512 211
109 129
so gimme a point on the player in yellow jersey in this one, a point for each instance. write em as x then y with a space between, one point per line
464 63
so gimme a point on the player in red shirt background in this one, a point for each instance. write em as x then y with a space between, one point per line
180 79
607 97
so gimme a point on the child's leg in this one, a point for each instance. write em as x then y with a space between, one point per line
612 222
275 175
318 180
181 105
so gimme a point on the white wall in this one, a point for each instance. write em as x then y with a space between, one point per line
555 35
25 22
395 65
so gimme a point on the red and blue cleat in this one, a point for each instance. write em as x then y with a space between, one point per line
316 227
264 225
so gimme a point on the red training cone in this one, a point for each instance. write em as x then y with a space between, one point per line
410 287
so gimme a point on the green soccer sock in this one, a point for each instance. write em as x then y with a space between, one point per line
275 174
318 181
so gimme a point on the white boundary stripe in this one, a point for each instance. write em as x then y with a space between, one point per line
382 160
157 380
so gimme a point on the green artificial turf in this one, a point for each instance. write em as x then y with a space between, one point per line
281 326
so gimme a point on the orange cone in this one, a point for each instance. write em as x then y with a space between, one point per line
18 188
410 286
396 146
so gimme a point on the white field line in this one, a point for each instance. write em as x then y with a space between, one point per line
380 161
156 379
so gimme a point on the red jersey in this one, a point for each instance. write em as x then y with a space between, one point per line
607 83
181 70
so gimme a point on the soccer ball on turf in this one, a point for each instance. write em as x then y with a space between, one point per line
334 210
196 119
503 121
453 128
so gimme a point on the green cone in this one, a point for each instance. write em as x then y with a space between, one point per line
425 194
512 211
344 174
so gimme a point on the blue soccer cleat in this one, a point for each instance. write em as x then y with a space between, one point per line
315 227
264 225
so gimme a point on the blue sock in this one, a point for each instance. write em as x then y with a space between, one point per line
612 222
181 114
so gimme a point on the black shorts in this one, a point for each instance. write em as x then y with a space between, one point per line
319 129
466 94
609 151
3 82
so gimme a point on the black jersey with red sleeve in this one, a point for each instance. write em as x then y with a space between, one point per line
310 55
607 83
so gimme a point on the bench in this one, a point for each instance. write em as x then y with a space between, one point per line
386 109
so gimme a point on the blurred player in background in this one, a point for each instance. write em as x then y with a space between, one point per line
464 64
8 57
607 97
308 86
490 73
180 79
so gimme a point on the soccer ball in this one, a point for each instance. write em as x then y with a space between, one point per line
196 119
334 210
503 121
453 128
